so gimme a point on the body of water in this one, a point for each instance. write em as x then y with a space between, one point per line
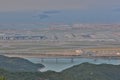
62 64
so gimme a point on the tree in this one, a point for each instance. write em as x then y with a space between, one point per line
2 78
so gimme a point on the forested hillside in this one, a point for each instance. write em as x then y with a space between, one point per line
18 64
85 71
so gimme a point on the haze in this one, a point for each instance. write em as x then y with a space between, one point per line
18 5
69 11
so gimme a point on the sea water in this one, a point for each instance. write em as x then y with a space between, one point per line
62 64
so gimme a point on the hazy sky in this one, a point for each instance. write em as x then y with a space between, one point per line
69 11
20 5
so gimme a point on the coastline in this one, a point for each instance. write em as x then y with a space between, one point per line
39 56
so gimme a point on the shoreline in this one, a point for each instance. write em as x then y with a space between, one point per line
65 57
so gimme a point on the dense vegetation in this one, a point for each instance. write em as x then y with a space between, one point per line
18 64
2 78
85 71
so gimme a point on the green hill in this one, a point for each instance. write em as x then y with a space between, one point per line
85 71
18 64
88 71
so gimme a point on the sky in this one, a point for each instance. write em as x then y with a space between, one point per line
23 5
60 11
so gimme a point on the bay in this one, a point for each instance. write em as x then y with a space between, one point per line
62 64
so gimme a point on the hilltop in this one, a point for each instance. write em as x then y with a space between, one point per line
85 71
18 64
